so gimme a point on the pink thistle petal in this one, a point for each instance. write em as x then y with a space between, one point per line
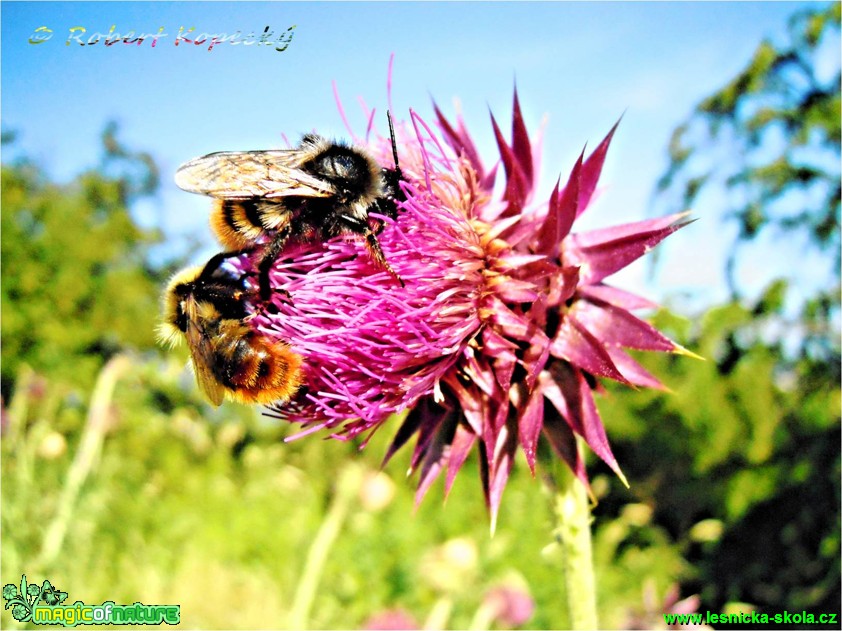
594 429
499 470
561 213
472 405
538 314
511 262
563 286
530 422
460 141
507 321
406 430
513 290
616 296
460 447
389 82
370 126
517 186
520 232
538 271
341 110
592 170
426 434
578 346
632 229
535 358
494 344
494 437
634 372
551 386
521 148
564 442
600 253
613 325
549 238
569 202
574 401
434 459
501 228
562 439
442 154
481 373
486 183
496 417
504 368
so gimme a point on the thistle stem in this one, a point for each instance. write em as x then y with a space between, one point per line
573 536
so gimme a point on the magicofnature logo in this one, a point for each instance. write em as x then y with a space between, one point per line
44 605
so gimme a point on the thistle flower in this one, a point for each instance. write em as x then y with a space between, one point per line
651 615
503 326
512 606
391 619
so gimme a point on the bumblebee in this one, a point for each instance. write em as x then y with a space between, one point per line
208 307
316 191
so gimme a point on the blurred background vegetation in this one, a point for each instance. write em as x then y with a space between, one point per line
109 452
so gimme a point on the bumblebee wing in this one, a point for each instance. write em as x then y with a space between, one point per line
202 355
247 174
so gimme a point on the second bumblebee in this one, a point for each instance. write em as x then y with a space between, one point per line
207 306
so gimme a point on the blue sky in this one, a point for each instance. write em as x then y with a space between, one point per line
582 64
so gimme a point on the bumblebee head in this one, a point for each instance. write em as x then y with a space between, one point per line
173 318
353 173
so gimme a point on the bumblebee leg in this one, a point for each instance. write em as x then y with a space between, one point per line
385 206
254 274
372 244
285 297
376 252
267 259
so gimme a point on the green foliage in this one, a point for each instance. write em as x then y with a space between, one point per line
742 463
750 441
771 137
215 513
76 287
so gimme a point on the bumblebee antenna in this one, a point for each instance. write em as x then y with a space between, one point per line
394 143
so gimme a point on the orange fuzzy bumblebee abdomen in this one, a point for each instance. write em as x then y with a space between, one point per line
239 224
254 368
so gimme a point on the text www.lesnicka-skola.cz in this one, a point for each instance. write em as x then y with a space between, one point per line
753 617
78 35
